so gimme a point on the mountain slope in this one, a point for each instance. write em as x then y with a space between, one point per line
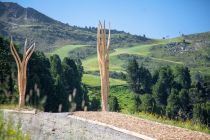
48 33
189 50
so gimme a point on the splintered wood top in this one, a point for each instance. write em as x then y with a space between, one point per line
145 127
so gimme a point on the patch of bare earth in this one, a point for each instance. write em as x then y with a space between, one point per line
142 126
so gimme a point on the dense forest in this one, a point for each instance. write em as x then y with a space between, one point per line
170 92
52 85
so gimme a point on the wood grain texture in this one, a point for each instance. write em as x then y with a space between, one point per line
22 67
103 60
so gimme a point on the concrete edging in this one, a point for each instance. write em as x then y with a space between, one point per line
19 111
113 127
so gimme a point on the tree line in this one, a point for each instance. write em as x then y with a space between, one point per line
170 92
52 85
56 86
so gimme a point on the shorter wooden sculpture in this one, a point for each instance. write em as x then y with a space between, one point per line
103 60
22 67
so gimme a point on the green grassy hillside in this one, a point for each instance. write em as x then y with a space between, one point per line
186 50
118 57
64 50
94 81
116 62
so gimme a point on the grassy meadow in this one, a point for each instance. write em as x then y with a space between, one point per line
119 58
64 50
94 81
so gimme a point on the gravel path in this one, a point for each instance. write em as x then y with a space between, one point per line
142 126
62 126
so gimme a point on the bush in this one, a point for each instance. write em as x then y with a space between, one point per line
137 103
94 104
201 113
113 104
147 103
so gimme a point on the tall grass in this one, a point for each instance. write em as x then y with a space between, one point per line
10 132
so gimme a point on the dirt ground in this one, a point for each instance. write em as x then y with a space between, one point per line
142 126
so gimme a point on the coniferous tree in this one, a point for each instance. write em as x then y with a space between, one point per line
132 75
40 89
139 78
113 104
206 86
145 80
166 75
72 80
61 99
148 103
162 88
80 68
172 107
137 103
70 75
182 77
160 93
184 104
197 94
56 68
197 113
7 70
155 77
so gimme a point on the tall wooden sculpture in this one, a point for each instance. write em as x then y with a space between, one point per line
103 60
22 67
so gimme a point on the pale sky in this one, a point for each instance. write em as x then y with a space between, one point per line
154 18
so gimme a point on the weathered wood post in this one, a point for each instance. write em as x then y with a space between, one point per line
103 60
22 67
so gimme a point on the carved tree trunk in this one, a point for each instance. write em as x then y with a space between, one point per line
22 67
103 60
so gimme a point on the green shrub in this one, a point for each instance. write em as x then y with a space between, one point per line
94 104
113 104
137 103
147 103
201 113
